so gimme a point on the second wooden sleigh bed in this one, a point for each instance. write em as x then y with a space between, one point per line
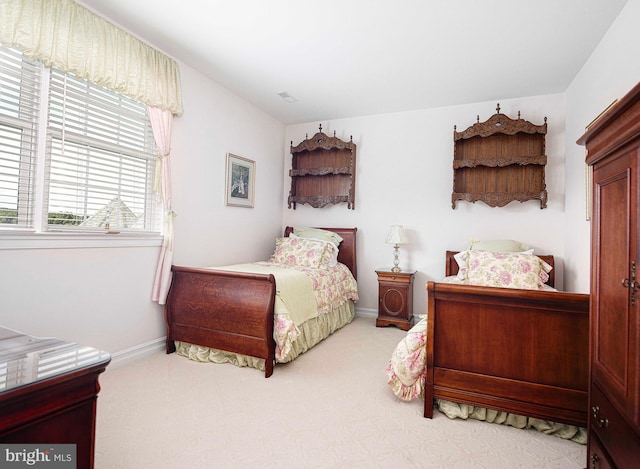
518 351
232 311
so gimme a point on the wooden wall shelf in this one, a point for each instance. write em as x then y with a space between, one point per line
499 161
323 171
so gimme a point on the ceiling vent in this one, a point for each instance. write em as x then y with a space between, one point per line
287 97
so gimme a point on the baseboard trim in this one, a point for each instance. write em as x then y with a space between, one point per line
366 313
137 352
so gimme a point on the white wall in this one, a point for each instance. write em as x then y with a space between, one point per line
102 296
611 71
95 296
405 176
217 122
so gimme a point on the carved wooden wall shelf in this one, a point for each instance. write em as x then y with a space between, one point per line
323 171
499 161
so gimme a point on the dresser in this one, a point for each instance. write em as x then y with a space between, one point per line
613 153
48 393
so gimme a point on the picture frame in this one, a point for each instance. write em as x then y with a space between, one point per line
240 181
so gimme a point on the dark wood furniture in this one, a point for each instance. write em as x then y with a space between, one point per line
323 171
232 311
499 161
48 392
395 299
613 150
519 351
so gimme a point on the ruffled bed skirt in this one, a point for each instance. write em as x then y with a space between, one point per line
312 332
464 411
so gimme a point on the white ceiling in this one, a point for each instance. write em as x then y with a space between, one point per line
346 58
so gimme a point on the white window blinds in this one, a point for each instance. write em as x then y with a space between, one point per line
74 156
101 163
19 98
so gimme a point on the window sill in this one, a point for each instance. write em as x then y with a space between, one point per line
30 240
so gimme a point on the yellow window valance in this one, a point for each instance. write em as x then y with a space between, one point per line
64 34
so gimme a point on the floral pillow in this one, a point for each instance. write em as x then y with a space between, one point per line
303 252
331 254
503 269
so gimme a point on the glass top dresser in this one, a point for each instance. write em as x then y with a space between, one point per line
48 393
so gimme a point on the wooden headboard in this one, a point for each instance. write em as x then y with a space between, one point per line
347 248
451 267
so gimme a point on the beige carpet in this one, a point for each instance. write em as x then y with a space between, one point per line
330 408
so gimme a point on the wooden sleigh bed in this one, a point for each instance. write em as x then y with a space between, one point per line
233 311
513 350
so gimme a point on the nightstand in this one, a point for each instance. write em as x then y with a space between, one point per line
395 298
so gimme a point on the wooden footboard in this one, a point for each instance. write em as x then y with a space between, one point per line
232 311
229 311
519 351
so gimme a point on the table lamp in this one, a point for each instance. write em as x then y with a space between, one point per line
396 237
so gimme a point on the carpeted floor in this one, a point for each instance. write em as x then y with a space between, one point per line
330 408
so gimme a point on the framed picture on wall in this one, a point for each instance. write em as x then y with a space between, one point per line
241 175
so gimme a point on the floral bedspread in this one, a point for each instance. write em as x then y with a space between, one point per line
332 286
406 370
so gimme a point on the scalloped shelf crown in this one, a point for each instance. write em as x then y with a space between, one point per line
323 171
499 123
499 161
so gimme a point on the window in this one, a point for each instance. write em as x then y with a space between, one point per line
94 167
19 106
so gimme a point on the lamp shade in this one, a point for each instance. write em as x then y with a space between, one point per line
397 235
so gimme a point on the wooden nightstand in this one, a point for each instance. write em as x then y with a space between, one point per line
395 298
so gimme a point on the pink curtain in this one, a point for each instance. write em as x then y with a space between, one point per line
161 120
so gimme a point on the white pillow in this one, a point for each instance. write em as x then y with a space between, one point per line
317 233
498 245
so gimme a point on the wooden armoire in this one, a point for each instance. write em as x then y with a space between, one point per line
613 153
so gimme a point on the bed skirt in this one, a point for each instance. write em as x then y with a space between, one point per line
312 332
463 411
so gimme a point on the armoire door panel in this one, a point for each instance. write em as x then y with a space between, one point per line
614 316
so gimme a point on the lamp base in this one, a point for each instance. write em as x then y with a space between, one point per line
396 260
